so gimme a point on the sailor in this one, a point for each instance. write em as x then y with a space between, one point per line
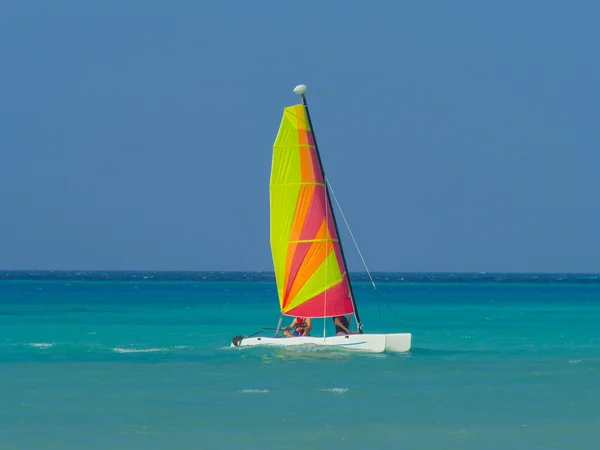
302 325
342 326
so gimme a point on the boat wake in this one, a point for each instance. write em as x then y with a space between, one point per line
74 348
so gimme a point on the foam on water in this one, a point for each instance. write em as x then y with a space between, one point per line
150 350
335 390
139 350
42 345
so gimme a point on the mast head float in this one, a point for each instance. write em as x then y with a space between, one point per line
300 89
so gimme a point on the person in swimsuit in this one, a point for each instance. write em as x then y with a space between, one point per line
302 325
342 326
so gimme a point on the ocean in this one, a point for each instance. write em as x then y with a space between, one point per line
142 360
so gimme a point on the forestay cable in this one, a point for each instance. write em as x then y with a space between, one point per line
350 231
360 254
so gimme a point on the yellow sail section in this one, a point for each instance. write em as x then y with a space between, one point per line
285 188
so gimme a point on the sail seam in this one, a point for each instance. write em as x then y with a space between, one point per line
300 183
293 146
303 241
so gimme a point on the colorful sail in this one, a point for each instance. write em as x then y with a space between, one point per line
309 270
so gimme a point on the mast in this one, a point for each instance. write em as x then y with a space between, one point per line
301 90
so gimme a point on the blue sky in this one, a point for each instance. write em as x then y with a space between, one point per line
459 136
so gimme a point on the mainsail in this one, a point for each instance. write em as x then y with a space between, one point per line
309 268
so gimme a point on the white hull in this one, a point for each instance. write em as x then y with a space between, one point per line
377 343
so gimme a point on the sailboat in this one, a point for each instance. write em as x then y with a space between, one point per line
308 258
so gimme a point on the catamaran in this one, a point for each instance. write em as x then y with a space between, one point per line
310 267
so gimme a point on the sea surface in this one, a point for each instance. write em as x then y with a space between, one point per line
142 360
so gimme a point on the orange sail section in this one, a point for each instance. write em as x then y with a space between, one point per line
310 275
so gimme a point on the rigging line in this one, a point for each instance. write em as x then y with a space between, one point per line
278 325
379 307
326 263
387 304
361 256
350 231
237 339
258 332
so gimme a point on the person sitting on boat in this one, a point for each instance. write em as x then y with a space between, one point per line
303 326
342 326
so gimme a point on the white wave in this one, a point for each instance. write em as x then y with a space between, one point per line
148 350
574 361
139 350
42 344
253 391
335 390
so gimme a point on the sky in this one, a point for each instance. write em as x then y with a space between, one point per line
458 136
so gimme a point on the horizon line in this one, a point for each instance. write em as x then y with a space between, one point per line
272 272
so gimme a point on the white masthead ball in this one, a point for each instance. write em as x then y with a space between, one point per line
300 89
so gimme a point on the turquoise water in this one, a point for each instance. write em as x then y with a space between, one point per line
142 361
